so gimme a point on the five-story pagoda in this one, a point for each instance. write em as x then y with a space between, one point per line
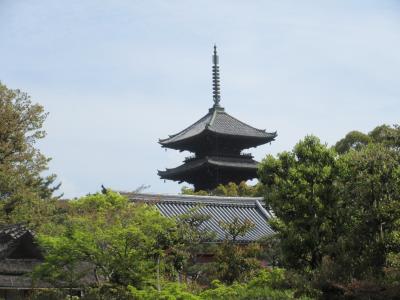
217 140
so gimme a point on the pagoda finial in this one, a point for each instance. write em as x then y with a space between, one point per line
215 76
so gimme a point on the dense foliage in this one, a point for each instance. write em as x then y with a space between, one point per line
300 191
128 250
119 242
369 186
388 136
24 190
338 214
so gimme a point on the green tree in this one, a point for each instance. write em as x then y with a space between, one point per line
192 242
125 243
352 140
300 191
369 186
386 135
337 216
22 185
267 284
235 261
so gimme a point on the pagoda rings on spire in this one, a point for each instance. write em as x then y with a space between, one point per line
215 77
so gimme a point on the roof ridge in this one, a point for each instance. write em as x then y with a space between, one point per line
194 196
215 111
209 202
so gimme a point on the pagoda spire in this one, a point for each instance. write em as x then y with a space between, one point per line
215 77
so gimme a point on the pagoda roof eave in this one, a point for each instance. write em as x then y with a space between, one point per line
187 143
219 162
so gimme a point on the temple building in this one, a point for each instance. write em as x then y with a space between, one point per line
217 141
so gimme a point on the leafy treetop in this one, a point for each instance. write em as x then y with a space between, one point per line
22 185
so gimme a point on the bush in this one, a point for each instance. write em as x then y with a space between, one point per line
268 284
171 291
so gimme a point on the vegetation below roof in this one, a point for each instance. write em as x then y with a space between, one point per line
337 224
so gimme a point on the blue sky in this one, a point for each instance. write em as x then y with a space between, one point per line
118 75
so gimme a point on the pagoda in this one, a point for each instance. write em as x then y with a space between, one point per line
217 141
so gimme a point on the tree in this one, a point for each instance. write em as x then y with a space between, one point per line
124 242
235 262
369 186
300 191
337 216
389 136
268 284
192 241
352 140
22 185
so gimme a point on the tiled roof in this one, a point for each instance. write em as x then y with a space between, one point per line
219 209
9 237
218 121
13 231
227 162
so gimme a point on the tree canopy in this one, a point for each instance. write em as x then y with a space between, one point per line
299 190
122 241
337 214
23 185
369 188
387 135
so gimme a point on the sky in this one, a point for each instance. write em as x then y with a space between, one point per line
115 76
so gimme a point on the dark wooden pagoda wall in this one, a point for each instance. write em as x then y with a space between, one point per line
212 177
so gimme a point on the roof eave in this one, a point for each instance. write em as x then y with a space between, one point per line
170 174
180 144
